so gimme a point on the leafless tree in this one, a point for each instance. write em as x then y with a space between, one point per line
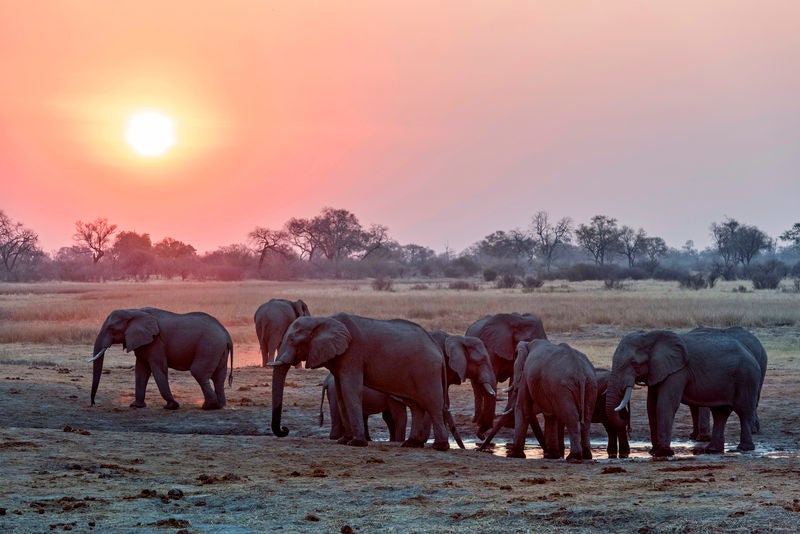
265 240
16 243
96 235
632 243
547 237
600 237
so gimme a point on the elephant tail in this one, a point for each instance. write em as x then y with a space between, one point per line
582 415
230 375
321 402
448 417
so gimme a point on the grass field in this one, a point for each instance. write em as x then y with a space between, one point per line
69 315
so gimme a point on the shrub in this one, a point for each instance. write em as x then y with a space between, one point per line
507 281
693 281
463 284
613 283
767 275
490 275
532 282
419 287
382 284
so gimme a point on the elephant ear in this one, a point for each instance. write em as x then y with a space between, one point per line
329 339
667 355
300 308
141 330
498 340
456 357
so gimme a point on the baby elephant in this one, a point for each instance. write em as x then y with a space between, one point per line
392 410
560 382
162 340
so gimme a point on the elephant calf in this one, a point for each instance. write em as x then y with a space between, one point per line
162 340
392 409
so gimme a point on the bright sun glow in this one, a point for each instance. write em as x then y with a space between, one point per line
150 133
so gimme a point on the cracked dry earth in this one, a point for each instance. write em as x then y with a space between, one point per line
67 466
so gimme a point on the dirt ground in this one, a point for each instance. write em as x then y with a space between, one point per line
68 466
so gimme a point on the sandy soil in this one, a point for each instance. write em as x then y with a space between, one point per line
68 466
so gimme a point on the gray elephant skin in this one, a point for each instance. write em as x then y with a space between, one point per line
466 357
701 428
162 340
500 334
561 382
395 356
272 319
392 410
704 367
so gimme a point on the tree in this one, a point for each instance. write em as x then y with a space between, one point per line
174 257
265 240
632 243
792 235
654 248
96 235
600 238
17 244
172 248
749 241
336 234
133 254
724 239
547 237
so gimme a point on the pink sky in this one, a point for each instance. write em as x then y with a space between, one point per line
443 120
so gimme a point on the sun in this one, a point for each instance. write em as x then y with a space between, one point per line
150 133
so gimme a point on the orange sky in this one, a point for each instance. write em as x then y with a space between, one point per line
443 120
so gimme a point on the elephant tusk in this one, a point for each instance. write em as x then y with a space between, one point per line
625 400
93 358
489 389
509 388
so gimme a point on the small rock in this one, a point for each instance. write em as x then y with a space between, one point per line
175 493
311 517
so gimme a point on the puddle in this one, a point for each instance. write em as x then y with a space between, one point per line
639 450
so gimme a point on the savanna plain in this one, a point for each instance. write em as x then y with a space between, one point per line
66 465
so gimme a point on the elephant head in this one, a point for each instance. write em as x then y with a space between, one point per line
501 333
300 308
315 340
132 328
641 358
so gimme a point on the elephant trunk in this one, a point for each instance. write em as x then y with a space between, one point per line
279 372
487 408
101 344
617 398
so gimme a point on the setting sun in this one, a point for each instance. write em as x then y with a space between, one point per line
150 133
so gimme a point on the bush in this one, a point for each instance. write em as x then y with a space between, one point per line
463 284
507 281
420 287
532 282
382 284
490 275
693 281
767 275
613 283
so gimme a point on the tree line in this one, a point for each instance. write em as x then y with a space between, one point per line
334 244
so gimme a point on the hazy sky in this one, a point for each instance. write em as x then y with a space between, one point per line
443 120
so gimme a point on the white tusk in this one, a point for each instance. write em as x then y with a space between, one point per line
625 399
93 358
489 389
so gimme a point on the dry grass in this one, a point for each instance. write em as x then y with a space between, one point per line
64 313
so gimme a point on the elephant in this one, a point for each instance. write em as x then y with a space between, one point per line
704 367
394 356
161 340
560 382
392 409
500 334
617 444
272 319
467 357
700 414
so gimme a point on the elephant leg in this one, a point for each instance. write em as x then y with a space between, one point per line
652 398
746 432
218 379
537 429
418 435
522 416
386 415
349 389
272 347
366 427
400 418
586 447
720 415
611 446
552 450
142 373
478 396
668 400
162 381
574 430
337 427
701 427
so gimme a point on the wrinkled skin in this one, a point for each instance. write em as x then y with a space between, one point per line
272 319
560 382
392 410
397 357
706 367
501 333
163 340
701 428
466 357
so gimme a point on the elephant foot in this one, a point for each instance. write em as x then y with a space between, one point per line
344 440
357 442
662 452
706 450
413 443
612 454
551 455
211 406
745 447
515 453
441 445
171 405
699 436
574 458
624 454
586 454
135 404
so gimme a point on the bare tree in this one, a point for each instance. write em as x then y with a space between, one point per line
600 237
547 237
96 235
632 243
654 248
792 235
374 239
265 240
16 243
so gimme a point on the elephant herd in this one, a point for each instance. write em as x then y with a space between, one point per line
389 366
